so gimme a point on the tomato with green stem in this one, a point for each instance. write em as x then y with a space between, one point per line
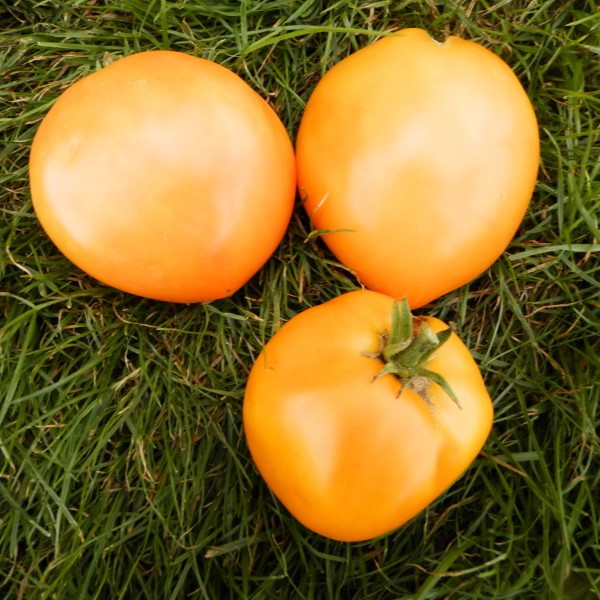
358 415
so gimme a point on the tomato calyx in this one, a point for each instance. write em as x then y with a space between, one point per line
407 348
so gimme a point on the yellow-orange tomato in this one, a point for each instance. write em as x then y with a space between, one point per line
349 450
420 158
164 175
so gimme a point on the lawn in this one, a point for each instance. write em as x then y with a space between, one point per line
124 471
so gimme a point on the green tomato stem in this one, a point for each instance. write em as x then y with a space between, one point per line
407 348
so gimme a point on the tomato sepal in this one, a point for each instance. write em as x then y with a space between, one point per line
407 348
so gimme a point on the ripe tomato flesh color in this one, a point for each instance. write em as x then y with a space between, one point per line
164 175
344 452
421 159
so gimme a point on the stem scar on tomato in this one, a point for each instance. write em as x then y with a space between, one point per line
406 349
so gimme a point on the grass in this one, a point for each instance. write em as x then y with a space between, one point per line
123 467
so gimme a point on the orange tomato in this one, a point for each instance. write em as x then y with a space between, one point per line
418 160
350 433
164 175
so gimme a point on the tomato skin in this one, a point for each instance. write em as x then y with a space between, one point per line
421 158
164 175
349 457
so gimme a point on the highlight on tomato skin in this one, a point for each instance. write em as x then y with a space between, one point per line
348 418
164 175
419 159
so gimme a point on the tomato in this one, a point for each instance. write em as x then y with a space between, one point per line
354 430
417 160
164 175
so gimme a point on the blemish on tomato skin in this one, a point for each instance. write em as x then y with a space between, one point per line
71 148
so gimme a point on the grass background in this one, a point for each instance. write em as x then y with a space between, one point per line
123 467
